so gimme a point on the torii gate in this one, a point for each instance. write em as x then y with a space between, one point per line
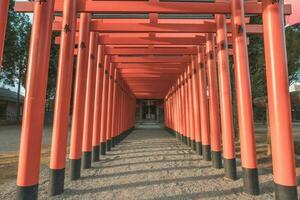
109 84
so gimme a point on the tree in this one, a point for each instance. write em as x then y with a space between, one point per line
16 46
16 50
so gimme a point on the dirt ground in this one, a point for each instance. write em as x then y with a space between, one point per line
149 164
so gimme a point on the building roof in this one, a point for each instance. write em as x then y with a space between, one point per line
10 96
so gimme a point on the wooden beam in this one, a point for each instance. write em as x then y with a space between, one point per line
150 51
150 7
207 27
150 59
106 40
149 65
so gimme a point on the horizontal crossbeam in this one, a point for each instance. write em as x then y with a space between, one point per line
149 7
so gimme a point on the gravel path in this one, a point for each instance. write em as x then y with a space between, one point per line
150 164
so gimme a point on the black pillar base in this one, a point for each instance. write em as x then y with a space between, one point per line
283 192
250 179
185 140
75 167
230 168
108 145
103 148
216 159
56 184
113 142
27 192
117 140
199 148
206 152
182 139
177 135
189 142
87 160
193 144
96 153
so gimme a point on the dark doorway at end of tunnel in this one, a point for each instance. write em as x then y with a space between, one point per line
149 110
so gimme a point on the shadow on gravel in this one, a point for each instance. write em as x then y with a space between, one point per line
158 151
140 184
145 156
147 162
138 172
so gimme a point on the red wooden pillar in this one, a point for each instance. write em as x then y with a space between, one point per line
244 99
225 99
79 97
121 111
118 111
175 121
114 108
89 102
179 107
34 103
103 128
97 104
191 112
178 113
214 113
62 100
3 21
279 106
204 117
109 107
183 106
186 110
196 107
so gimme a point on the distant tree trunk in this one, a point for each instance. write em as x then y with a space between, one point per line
18 96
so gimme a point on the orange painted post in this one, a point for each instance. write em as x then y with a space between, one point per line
204 117
214 112
196 107
3 21
89 102
183 106
179 107
175 111
119 112
97 104
109 107
62 100
174 122
244 99
178 112
186 110
79 98
103 128
34 103
225 99
117 109
191 112
114 108
283 156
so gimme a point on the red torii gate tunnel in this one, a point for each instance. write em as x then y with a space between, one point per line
128 50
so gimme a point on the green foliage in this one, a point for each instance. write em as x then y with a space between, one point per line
16 50
16 46
293 53
257 59
257 62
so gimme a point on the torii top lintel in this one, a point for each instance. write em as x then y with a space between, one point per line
90 6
